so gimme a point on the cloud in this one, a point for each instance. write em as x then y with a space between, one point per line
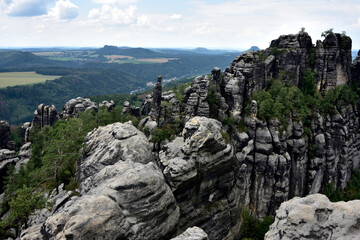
359 21
64 9
176 16
113 15
115 2
25 8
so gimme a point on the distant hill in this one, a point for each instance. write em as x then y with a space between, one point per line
254 49
133 52
14 59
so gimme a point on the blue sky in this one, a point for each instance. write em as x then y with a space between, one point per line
235 24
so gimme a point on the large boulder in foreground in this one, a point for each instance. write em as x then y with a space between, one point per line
315 217
123 194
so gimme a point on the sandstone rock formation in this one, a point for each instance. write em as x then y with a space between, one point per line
109 105
7 158
5 135
315 217
44 115
199 168
193 233
74 106
123 194
133 111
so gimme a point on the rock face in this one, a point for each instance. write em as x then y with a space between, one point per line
315 217
333 61
123 194
195 98
74 106
109 105
355 70
44 115
199 168
5 135
157 97
7 158
110 144
131 110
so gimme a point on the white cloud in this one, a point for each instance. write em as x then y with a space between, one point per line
359 21
113 15
64 9
176 16
25 8
143 20
115 2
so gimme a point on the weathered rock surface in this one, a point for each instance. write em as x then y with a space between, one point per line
333 61
315 217
194 233
5 135
44 115
131 110
200 168
109 105
195 98
7 158
156 101
110 144
123 193
74 106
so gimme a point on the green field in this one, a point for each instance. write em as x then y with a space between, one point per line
9 79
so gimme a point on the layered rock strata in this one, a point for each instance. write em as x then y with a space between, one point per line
123 194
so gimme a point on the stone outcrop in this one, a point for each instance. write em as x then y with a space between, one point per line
195 98
355 70
156 101
333 61
109 105
5 134
193 233
315 217
131 110
44 115
110 144
74 106
123 195
7 158
200 168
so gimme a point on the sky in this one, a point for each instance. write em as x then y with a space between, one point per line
225 24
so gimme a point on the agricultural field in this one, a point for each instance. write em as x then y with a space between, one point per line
9 79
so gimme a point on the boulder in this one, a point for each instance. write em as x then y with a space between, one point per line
194 233
315 217
110 144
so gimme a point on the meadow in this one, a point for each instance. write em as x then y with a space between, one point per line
9 79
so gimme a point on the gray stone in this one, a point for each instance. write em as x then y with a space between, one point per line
112 143
194 233
315 217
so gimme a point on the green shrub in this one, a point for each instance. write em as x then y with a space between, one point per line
252 227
